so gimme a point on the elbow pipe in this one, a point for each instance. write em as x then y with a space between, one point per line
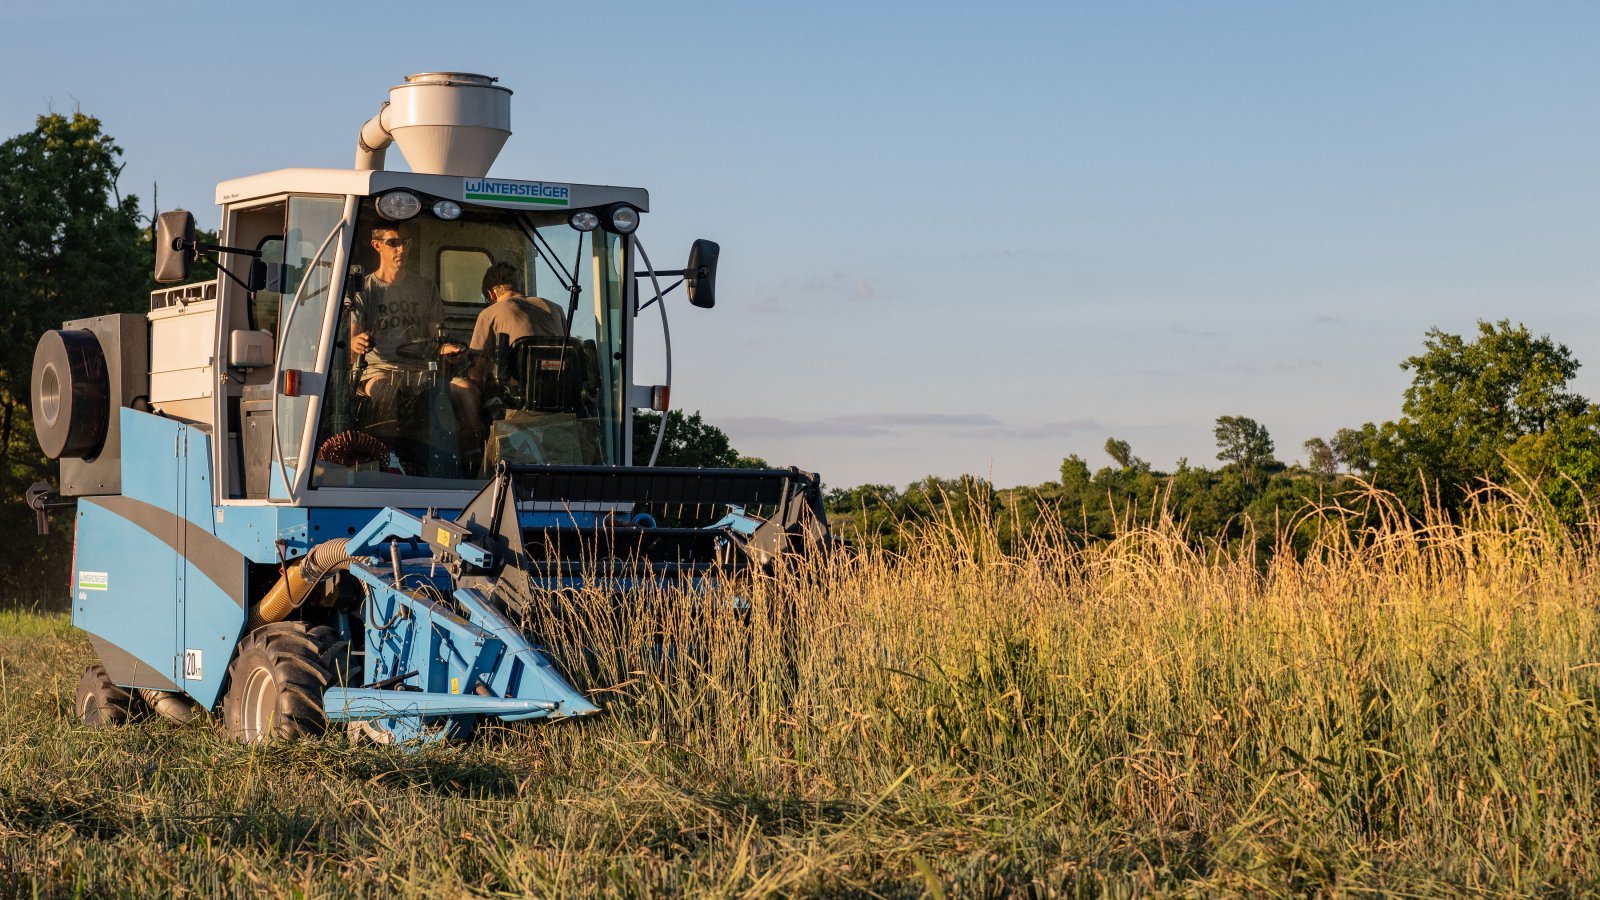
298 581
373 140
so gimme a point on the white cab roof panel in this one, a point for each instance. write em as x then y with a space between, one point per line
507 193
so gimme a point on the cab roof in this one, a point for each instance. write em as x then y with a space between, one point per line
506 193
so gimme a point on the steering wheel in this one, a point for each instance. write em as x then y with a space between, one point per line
424 350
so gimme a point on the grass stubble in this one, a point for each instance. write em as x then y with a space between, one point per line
1408 708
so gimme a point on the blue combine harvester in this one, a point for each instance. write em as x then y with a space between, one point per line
329 485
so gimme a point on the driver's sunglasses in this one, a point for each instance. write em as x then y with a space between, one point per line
394 242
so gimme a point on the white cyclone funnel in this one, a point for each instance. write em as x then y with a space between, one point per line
446 123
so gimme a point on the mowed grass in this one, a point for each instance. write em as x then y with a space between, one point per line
1404 710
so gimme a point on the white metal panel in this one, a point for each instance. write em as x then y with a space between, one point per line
183 352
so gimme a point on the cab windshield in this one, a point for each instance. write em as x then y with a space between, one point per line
494 336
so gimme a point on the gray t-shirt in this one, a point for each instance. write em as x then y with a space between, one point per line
516 317
394 313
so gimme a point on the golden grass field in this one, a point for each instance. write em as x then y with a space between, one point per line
1407 710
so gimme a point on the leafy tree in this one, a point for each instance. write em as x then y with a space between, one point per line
70 245
1352 448
1244 444
1074 472
1121 452
1320 457
689 442
1469 404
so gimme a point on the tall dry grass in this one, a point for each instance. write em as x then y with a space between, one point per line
1408 707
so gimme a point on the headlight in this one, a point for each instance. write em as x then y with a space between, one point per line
585 220
397 205
624 219
447 210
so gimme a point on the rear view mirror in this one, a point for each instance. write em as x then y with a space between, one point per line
174 246
700 277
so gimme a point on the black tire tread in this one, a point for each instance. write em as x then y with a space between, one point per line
297 657
114 705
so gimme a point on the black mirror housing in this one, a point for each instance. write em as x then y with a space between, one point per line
700 276
174 246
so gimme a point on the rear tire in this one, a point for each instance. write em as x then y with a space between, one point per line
100 703
276 682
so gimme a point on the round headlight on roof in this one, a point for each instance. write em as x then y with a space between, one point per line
624 219
585 220
447 209
398 205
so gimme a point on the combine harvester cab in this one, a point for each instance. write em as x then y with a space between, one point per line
326 486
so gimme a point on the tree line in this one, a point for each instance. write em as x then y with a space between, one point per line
1495 407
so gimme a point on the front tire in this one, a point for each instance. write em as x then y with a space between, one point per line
276 682
100 702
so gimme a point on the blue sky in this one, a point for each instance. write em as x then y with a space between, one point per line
960 238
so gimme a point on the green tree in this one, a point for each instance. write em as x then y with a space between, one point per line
1469 404
1121 452
689 442
1320 457
70 245
1074 472
1244 444
1352 448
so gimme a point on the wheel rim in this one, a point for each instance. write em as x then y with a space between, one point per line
89 709
260 704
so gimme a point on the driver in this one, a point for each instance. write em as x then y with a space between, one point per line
396 307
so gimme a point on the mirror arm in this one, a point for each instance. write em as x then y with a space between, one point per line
661 296
698 272
200 247
236 280
216 250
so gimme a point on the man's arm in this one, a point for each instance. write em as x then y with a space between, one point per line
360 340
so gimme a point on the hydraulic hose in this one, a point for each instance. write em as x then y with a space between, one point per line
666 338
297 582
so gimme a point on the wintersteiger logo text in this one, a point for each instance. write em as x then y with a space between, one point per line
532 192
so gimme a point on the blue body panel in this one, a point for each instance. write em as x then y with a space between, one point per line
214 579
124 591
255 530
162 595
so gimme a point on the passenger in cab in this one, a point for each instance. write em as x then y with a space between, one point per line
508 313
394 320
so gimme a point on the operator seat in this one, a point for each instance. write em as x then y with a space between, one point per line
549 375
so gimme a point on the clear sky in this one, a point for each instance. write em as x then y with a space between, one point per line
959 237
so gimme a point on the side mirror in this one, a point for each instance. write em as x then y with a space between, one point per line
174 240
700 276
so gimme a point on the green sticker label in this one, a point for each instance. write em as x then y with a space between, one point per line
530 193
93 581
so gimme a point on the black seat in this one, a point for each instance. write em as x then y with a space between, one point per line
548 374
